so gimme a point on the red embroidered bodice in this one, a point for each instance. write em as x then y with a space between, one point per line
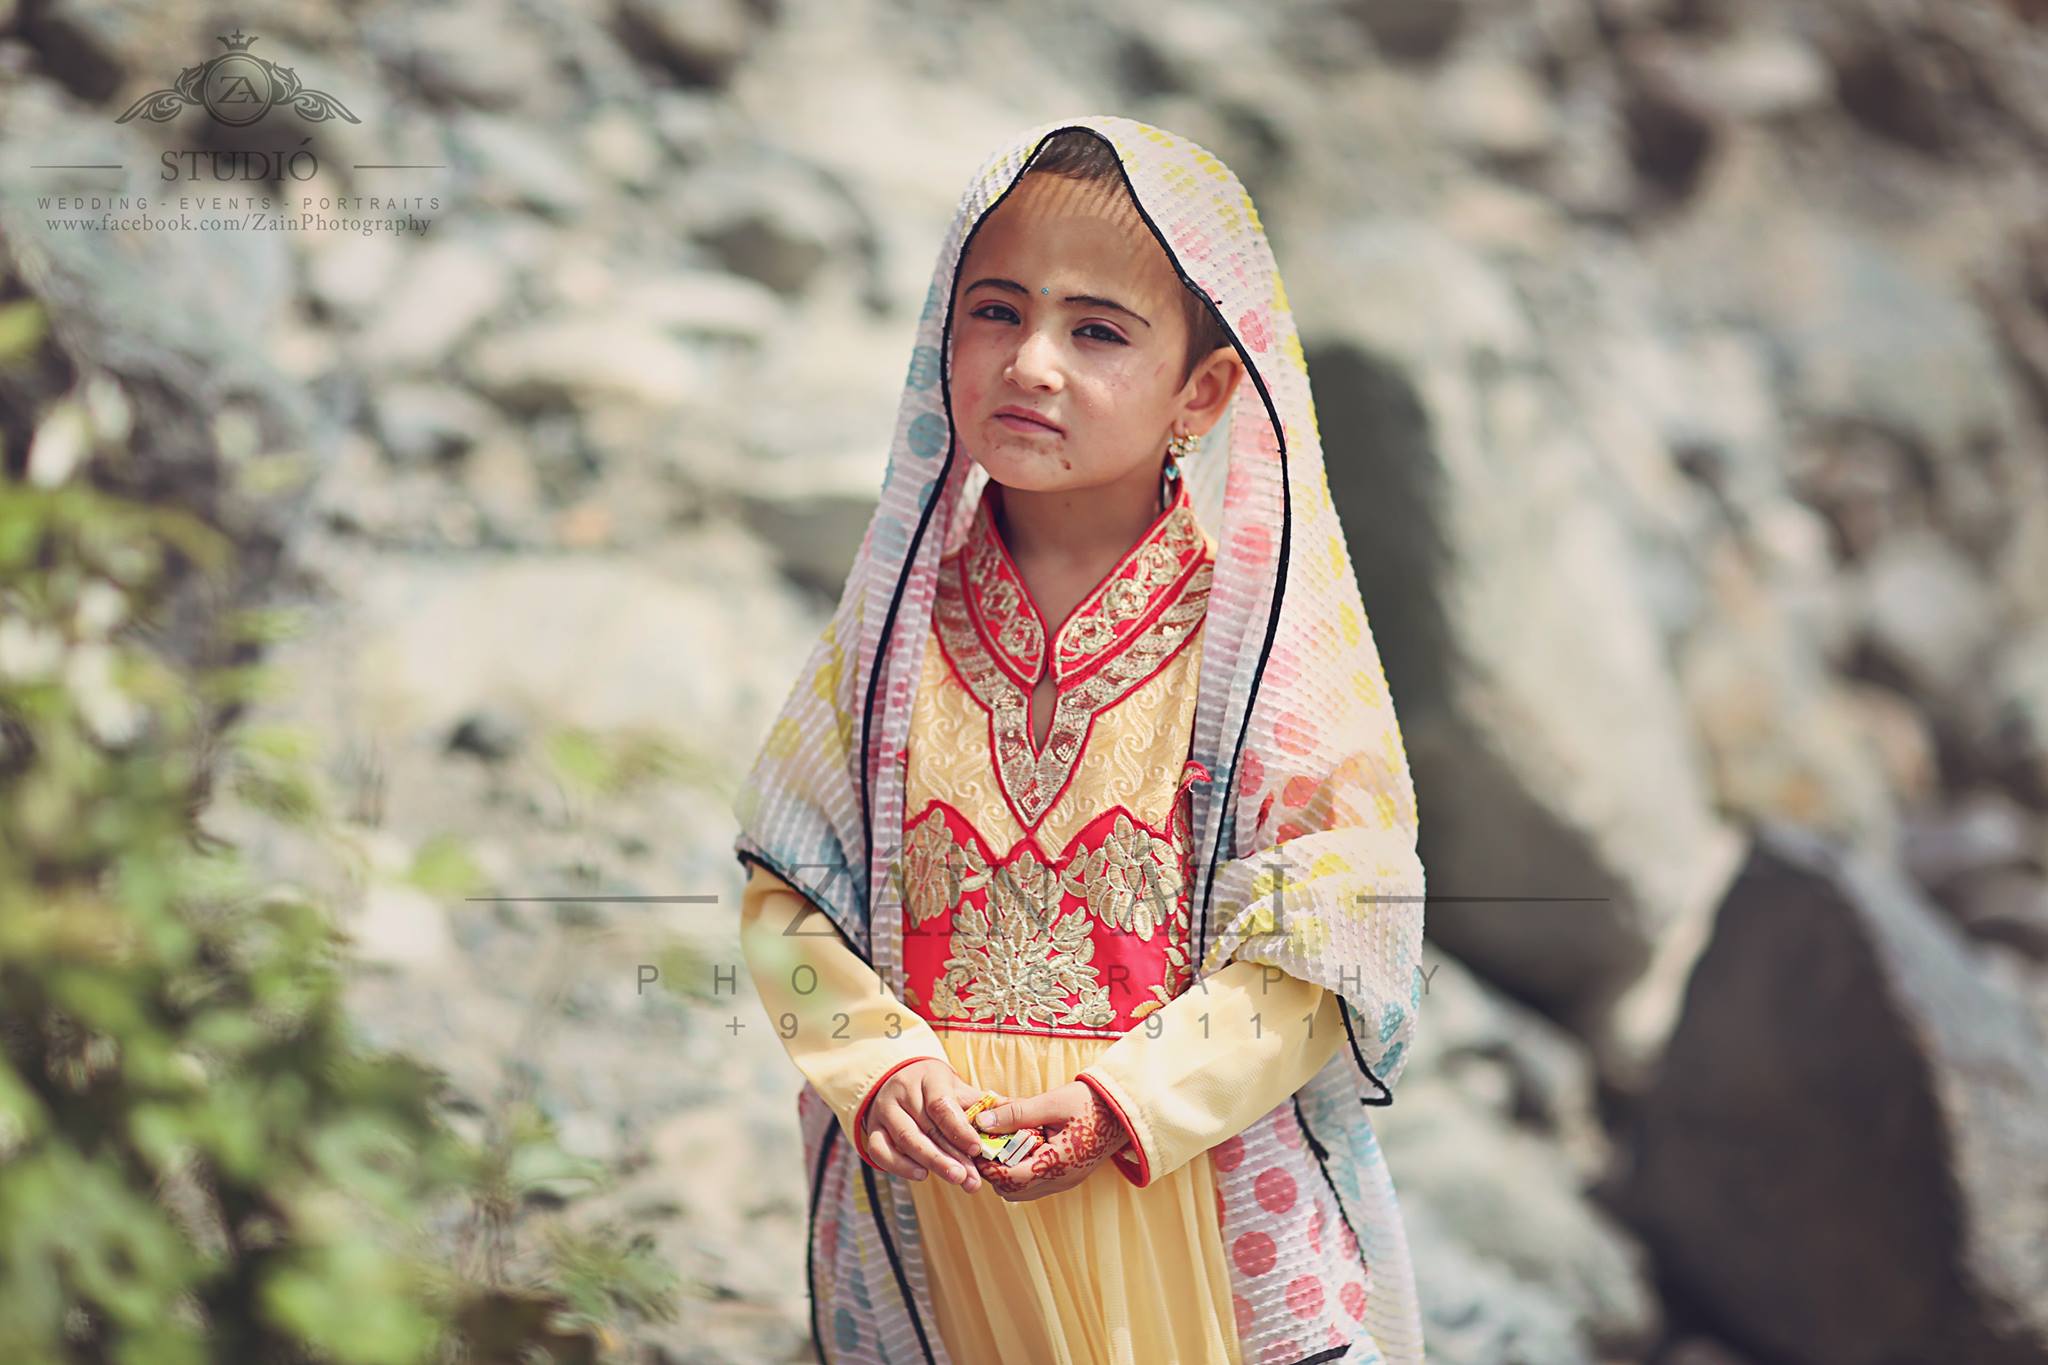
1045 891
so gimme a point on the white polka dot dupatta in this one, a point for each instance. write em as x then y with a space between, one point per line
1305 842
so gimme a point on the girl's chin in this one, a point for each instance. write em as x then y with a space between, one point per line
1031 473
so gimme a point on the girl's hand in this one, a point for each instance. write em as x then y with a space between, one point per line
1081 1132
917 1122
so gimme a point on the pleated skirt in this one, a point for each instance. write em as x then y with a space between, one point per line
1102 1274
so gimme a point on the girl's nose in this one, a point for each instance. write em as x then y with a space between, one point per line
1032 365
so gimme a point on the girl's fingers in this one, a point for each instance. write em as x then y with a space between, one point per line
950 1120
885 1155
942 1138
910 1140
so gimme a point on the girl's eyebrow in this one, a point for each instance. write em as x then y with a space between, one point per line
1095 300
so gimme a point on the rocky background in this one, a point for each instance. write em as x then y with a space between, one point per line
1683 366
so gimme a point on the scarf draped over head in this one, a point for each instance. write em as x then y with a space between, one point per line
1306 835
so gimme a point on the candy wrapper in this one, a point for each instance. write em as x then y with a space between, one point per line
1005 1149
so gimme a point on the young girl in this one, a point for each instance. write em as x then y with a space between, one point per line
1105 813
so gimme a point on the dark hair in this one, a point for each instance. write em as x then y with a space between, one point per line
1088 157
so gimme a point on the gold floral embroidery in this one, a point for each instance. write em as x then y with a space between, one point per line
1007 961
938 869
1014 964
1176 976
946 994
1131 882
1019 956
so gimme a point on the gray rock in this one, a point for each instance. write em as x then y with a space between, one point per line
475 54
1515 1202
813 511
619 142
1475 1312
350 273
2006 905
776 222
1842 1157
1511 1060
398 925
705 303
1980 831
444 290
1754 74
92 47
1927 615
1869 335
1495 109
1785 738
2008 724
421 424
1567 835
1411 30
517 163
702 41
487 734
588 361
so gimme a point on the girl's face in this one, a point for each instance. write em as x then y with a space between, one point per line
1068 308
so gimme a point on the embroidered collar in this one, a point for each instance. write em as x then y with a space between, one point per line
1153 574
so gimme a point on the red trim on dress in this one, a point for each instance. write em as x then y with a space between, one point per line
1136 627
1144 1172
984 537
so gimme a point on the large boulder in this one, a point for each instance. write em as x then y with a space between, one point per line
1846 1155
1566 820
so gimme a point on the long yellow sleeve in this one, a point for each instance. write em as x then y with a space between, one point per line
846 1032
1225 1051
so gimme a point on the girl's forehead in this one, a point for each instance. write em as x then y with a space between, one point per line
1054 233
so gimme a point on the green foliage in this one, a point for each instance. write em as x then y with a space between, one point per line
619 763
199 1162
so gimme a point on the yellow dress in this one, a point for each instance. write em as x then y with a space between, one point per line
1045 932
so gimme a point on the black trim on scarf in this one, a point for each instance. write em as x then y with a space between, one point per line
867 715
867 1174
1334 1353
1322 1154
767 864
1386 1095
811 1238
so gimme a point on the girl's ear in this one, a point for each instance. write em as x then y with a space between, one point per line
1214 383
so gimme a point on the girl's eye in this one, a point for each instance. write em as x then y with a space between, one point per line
1090 331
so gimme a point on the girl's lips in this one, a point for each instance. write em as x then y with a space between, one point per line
1024 425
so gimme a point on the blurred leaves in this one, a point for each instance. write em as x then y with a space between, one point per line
622 762
22 326
199 1159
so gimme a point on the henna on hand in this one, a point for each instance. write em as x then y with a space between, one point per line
1066 1156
